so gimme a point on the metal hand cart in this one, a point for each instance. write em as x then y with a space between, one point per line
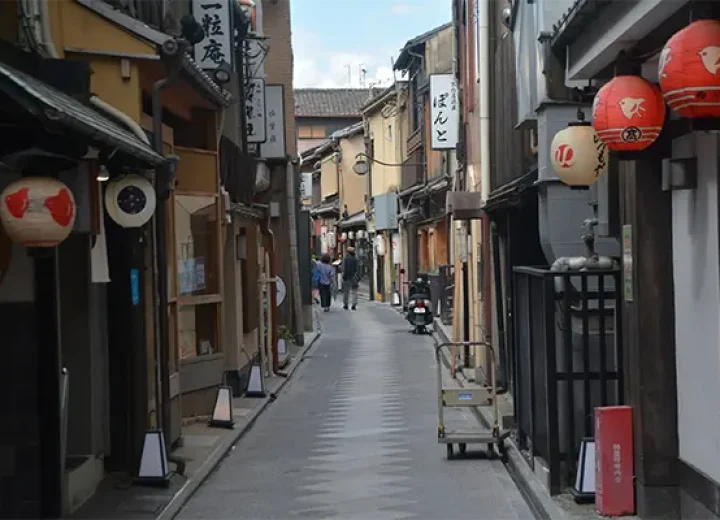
469 397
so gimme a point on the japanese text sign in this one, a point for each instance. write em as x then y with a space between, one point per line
274 145
444 111
614 478
217 46
255 118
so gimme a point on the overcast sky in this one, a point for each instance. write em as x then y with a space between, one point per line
330 35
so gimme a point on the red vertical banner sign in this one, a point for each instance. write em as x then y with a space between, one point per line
614 477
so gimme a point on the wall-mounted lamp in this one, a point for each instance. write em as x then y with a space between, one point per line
222 74
103 174
362 163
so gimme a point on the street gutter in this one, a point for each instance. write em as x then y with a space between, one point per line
188 489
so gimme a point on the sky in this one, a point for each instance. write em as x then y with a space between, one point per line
331 35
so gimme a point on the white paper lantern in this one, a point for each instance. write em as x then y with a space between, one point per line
578 155
351 235
130 201
360 234
343 237
380 246
37 211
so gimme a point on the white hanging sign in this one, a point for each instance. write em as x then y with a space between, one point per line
255 117
443 112
396 249
217 46
274 145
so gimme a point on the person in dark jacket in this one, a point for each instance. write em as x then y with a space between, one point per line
350 277
325 276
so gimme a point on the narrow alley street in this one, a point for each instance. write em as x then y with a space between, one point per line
353 435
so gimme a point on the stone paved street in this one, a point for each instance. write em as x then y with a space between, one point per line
353 436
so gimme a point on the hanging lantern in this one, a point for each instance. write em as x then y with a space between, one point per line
37 211
628 113
577 154
343 237
689 70
360 234
351 235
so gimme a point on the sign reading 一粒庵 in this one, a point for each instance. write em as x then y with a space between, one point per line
255 117
217 46
274 145
443 112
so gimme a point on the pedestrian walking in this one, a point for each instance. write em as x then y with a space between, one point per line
350 277
325 275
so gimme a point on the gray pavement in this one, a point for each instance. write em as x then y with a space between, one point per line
353 436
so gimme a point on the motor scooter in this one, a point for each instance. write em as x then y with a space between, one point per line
419 311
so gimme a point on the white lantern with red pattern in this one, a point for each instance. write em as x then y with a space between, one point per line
37 211
578 156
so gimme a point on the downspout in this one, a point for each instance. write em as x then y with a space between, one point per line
98 103
484 9
45 29
122 117
171 49
590 261
294 260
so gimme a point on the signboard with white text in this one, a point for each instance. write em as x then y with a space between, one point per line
217 46
255 117
444 111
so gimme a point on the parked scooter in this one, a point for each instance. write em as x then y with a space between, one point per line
419 312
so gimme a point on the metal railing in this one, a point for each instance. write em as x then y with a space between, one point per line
566 360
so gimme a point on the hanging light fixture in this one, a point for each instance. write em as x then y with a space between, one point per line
689 70
577 154
628 113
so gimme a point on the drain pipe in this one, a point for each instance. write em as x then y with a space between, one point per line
49 45
122 117
45 29
172 49
482 229
590 261
294 258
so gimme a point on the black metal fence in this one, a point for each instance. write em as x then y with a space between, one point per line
567 359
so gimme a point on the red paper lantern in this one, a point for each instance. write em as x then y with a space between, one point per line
689 70
37 211
628 113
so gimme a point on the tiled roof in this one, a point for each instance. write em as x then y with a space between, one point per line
332 102
54 105
573 21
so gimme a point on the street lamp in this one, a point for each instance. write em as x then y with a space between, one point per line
362 163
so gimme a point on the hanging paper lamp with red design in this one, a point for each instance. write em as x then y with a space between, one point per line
689 70
37 211
628 113
578 156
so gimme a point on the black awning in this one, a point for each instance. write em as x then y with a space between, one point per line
512 193
51 105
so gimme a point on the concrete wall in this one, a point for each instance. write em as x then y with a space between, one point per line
328 177
697 307
353 186
388 136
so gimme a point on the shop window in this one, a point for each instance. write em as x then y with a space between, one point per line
198 330
197 250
